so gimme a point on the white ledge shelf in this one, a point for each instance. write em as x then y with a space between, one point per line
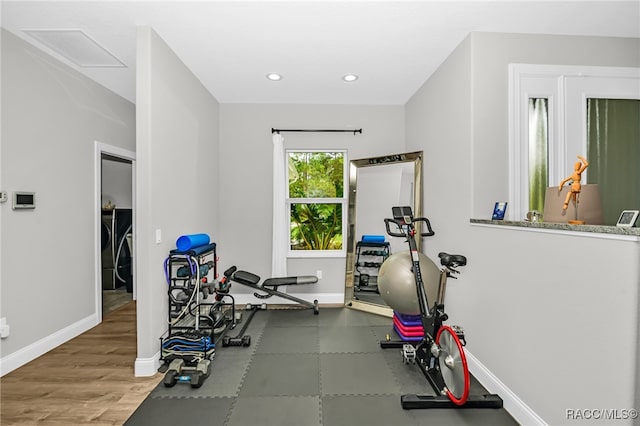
597 231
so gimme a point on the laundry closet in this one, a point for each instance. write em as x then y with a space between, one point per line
116 228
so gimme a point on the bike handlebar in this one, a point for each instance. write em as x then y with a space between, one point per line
400 224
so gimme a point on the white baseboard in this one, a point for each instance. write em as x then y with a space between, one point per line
146 367
29 353
520 411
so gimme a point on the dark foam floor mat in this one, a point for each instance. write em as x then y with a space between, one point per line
276 411
225 379
181 411
292 318
347 339
356 374
282 375
275 340
375 410
305 369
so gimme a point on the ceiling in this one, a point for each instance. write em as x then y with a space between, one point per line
393 46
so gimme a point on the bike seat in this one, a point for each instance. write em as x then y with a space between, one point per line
452 260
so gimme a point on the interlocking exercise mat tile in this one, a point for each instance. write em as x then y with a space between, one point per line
378 410
343 318
282 375
462 417
292 318
181 411
281 340
225 379
276 411
347 339
356 374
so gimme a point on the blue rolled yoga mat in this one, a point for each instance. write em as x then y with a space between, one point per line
187 242
373 238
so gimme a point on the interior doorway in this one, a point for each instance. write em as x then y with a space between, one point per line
115 251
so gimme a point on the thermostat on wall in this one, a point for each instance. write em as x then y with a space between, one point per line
24 200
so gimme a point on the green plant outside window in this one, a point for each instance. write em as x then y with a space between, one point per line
316 198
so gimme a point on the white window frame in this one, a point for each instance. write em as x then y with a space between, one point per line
567 88
343 200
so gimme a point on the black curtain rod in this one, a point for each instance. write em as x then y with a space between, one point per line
315 130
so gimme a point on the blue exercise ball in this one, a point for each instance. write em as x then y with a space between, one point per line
397 285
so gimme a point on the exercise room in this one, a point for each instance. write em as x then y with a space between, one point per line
246 213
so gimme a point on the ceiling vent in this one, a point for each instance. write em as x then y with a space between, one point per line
77 47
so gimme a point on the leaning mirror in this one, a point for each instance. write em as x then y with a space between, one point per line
375 185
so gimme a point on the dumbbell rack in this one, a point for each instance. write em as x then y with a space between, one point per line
189 293
369 258
198 314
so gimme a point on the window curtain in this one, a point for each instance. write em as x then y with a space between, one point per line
280 238
538 152
613 152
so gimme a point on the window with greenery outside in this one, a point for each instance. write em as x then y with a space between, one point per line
316 199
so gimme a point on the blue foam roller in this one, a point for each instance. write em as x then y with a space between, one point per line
373 238
195 251
187 242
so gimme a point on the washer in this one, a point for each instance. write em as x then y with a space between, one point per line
107 239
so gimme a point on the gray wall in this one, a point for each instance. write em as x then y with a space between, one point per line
490 113
51 116
177 174
380 188
117 183
543 312
246 178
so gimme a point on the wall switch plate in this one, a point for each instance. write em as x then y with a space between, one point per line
319 274
3 196
158 236
4 328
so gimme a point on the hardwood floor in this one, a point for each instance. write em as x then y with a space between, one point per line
114 299
88 380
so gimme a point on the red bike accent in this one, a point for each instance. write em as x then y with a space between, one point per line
467 381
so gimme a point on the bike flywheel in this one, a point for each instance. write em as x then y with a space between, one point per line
453 365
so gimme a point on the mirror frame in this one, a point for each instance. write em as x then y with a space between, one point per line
354 165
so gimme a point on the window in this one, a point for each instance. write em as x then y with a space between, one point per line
552 119
538 152
316 202
614 147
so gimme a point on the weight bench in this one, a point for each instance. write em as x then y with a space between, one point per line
270 286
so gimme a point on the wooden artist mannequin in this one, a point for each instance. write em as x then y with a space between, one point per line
575 177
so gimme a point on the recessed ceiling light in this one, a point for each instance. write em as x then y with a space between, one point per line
273 76
350 77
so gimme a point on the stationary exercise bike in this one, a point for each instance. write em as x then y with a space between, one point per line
439 354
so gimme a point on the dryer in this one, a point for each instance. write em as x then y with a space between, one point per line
107 237
116 224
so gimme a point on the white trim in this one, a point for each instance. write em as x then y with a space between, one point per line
552 82
320 254
99 149
518 409
147 367
29 353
